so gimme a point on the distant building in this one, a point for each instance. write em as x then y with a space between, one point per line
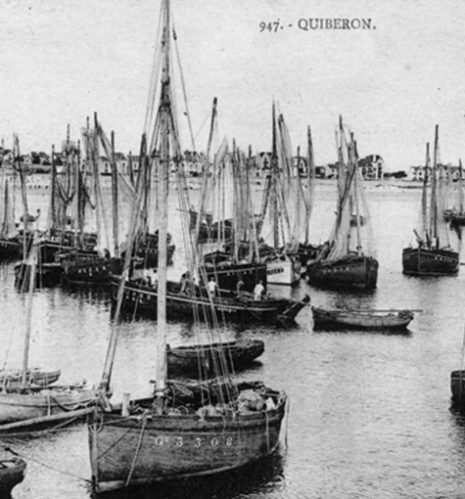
371 167
417 173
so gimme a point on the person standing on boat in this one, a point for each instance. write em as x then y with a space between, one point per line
258 291
212 286
239 286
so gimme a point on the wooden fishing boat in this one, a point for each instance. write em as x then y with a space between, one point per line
430 261
192 359
90 270
342 261
361 319
457 386
30 400
141 299
175 434
350 271
143 447
12 472
219 265
432 255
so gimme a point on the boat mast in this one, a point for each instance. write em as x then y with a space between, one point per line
310 183
274 174
114 196
424 200
434 202
165 121
27 336
460 187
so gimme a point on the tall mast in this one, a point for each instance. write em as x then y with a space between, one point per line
114 196
424 200
460 187
27 336
310 182
165 120
434 202
274 174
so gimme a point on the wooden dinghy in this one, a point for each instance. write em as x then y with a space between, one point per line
206 359
11 473
361 319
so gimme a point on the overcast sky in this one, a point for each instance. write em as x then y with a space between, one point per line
61 60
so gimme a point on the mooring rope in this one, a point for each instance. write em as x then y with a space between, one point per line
136 454
57 470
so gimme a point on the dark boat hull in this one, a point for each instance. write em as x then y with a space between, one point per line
457 387
91 271
9 249
227 275
429 262
138 450
351 272
190 360
141 299
47 275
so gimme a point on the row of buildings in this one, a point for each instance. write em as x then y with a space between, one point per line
371 167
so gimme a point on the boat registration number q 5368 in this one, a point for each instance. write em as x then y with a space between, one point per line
197 442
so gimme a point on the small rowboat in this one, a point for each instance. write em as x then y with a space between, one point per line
361 319
11 473
191 359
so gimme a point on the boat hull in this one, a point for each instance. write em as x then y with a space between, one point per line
429 262
457 387
353 272
227 275
346 319
87 271
142 299
9 249
24 411
139 450
190 360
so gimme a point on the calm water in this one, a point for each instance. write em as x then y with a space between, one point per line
369 413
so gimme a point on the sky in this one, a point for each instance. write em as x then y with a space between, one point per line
61 60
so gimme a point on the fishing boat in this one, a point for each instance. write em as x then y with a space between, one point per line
219 265
9 241
140 298
33 401
361 319
343 261
206 358
432 254
176 434
12 472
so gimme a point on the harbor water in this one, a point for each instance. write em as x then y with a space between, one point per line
369 412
